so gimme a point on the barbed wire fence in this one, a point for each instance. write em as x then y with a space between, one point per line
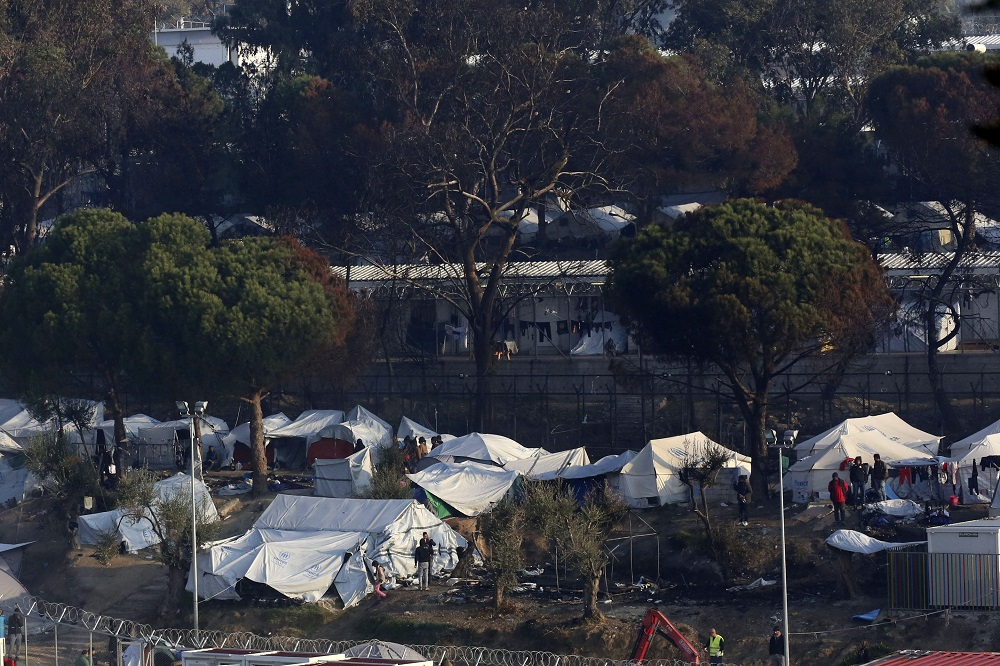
55 633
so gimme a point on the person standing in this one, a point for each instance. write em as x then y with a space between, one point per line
776 648
974 480
716 647
423 555
15 633
838 495
858 478
743 495
880 473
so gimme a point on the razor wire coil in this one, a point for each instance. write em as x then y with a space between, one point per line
458 655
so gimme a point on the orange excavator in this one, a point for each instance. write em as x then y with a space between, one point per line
656 622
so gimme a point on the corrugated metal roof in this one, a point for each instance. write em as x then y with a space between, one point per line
906 261
933 658
595 270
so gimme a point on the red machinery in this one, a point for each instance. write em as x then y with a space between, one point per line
657 622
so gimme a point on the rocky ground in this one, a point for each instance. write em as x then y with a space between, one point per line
690 591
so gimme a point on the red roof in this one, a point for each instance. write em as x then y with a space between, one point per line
933 658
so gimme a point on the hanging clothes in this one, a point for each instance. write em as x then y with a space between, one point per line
905 475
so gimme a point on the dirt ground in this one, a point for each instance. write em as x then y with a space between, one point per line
690 592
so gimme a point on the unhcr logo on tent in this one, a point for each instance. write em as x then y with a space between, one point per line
313 572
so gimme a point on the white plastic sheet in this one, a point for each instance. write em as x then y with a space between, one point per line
857 542
548 466
470 488
486 448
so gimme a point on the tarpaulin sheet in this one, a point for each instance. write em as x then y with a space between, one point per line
548 466
470 488
393 527
495 449
856 542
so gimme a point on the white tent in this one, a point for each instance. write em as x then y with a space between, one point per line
20 425
140 534
344 477
15 482
652 478
8 445
548 466
876 429
470 488
156 441
606 465
986 440
484 448
370 432
300 545
241 434
291 442
812 474
359 413
300 565
133 425
606 334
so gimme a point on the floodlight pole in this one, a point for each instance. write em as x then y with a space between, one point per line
185 411
784 569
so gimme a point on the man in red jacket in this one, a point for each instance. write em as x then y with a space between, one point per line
838 495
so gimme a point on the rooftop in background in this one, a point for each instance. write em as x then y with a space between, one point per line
929 658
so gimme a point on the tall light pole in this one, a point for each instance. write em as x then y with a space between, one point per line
199 410
784 567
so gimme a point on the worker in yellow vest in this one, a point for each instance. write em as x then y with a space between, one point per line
716 646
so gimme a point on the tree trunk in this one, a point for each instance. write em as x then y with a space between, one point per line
258 453
498 596
176 578
590 589
482 348
758 443
117 413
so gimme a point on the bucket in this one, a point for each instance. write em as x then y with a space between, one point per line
953 500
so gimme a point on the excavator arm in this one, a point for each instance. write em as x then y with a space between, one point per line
656 622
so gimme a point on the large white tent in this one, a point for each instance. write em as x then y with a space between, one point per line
291 442
133 425
301 545
606 465
812 474
343 477
484 448
470 488
140 534
359 413
652 477
548 466
876 429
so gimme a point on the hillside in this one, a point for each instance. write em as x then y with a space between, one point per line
691 594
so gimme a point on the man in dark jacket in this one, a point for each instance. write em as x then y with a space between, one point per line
424 554
859 475
880 473
743 494
776 648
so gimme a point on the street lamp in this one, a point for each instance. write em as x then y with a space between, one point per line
199 410
784 567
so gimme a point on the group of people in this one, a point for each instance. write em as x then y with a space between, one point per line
415 449
11 635
715 646
859 473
